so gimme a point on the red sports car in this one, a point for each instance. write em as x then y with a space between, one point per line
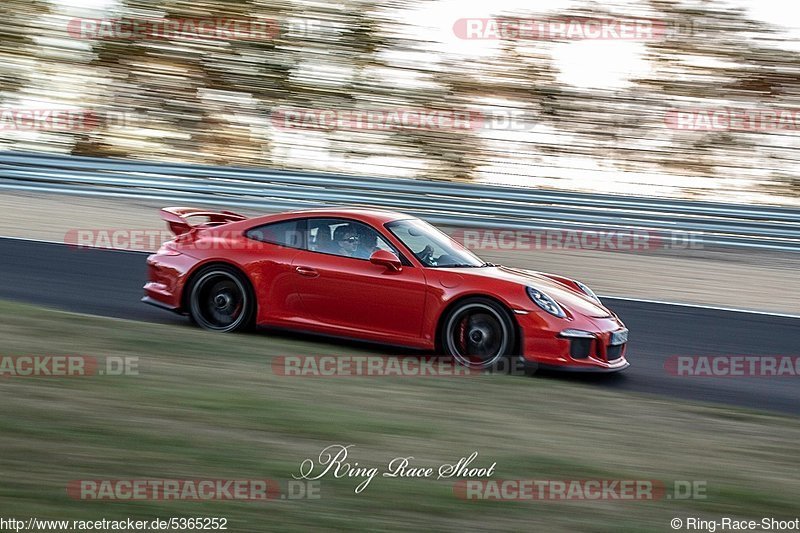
378 276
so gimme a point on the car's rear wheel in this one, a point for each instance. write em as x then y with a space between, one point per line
478 333
220 299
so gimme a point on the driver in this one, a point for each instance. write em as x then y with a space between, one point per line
426 256
347 240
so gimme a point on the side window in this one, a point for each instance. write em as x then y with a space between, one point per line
290 233
344 237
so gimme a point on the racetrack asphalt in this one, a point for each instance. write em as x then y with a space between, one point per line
109 283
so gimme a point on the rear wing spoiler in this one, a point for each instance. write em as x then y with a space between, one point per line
178 223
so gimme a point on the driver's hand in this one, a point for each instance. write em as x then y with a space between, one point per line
426 255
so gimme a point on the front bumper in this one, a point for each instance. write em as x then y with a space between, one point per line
580 344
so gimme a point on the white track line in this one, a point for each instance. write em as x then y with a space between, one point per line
698 306
606 296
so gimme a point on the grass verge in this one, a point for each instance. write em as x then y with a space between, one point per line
209 406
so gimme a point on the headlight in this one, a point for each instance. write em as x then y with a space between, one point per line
586 290
545 302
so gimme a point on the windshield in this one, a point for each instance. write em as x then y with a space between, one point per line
432 247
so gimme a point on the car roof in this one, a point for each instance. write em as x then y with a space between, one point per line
368 215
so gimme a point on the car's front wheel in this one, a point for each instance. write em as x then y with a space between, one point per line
478 333
220 299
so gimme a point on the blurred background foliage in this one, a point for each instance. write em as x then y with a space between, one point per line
210 100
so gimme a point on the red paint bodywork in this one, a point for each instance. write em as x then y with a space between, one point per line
354 298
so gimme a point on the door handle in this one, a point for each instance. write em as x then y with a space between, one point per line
306 271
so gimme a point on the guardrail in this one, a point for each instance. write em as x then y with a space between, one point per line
448 203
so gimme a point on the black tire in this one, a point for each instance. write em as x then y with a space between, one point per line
478 332
220 299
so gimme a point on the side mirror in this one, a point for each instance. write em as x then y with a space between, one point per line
386 259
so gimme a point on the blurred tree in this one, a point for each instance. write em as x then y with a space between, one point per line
213 99
715 56
192 93
17 45
21 23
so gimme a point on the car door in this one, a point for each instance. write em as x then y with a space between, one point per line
349 294
272 248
